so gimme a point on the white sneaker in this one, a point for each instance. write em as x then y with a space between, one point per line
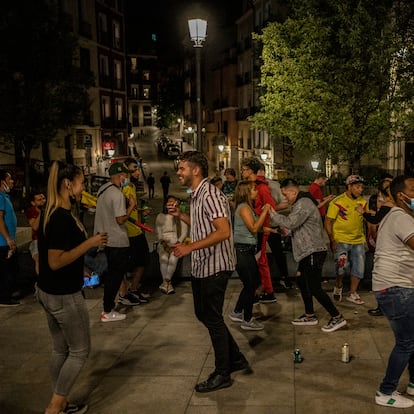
252 325
355 298
164 287
395 400
170 288
112 316
410 388
236 316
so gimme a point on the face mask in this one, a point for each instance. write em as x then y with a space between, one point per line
6 188
410 205
125 182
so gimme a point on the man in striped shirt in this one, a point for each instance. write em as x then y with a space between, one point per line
212 262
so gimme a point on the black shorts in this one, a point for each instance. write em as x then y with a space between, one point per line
138 252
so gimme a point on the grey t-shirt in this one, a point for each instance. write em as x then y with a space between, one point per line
111 204
394 260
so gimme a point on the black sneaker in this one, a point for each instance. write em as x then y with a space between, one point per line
75 409
286 283
267 298
141 298
9 303
129 300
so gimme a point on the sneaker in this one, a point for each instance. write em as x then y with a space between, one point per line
395 400
139 296
129 300
75 409
355 298
410 388
251 325
286 283
337 294
9 303
305 320
170 289
334 324
164 287
236 316
267 298
112 316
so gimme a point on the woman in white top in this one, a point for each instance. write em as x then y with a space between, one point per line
170 230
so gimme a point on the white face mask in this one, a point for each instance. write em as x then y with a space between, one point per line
410 205
6 187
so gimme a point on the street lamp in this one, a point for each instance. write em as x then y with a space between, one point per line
263 156
198 33
315 165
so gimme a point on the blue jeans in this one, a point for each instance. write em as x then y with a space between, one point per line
350 258
208 296
397 303
68 320
249 275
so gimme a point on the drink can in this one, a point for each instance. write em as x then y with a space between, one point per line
345 353
297 357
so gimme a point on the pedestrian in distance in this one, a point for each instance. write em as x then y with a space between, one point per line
213 261
110 218
37 203
165 181
8 246
170 230
393 286
151 185
345 229
246 226
309 250
59 286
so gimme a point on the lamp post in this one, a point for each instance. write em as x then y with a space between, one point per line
198 32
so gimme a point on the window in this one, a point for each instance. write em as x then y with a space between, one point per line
119 106
103 65
146 92
105 107
116 33
134 65
118 74
85 59
134 92
102 27
146 75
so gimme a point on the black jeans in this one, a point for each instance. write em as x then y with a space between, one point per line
8 273
309 283
249 275
208 295
275 243
117 258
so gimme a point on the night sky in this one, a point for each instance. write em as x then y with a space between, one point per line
168 19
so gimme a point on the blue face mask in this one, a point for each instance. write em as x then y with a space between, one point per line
410 205
125 182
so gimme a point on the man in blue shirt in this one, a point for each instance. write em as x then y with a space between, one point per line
8 225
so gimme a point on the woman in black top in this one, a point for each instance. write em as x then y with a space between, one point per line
62 244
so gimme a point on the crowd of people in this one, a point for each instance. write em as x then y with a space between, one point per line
229 226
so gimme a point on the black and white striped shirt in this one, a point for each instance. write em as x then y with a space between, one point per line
207 204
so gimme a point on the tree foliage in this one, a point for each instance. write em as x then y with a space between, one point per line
330 74
42 90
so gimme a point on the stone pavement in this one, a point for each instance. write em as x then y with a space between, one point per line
150 362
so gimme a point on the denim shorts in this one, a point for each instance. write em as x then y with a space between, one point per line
350 258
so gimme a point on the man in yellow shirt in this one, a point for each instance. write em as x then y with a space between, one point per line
138 245
344 225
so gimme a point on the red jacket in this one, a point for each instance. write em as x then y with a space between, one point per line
264 196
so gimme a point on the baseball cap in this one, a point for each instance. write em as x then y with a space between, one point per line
354 179
117 168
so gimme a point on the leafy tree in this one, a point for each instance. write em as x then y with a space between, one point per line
41 89
327 77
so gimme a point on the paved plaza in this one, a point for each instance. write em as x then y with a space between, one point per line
150 362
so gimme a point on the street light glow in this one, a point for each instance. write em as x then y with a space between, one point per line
198 31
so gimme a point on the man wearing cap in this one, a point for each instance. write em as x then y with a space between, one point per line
110 217
345 229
